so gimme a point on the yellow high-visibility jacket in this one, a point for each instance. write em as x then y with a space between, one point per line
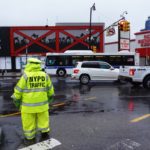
33 90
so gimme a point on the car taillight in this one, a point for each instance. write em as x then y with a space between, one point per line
131 72
76 71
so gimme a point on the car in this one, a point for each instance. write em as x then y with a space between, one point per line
87 71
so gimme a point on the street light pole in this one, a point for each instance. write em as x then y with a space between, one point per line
26 49
26 54
5 64
92 8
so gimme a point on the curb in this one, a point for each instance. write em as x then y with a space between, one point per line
10 76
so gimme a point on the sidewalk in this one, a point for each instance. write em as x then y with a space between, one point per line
10 74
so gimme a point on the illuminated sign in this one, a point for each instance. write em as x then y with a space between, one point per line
124 44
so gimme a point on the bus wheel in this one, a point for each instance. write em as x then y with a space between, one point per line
84 79
61 72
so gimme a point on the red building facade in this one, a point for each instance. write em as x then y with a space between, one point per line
40 40
143 43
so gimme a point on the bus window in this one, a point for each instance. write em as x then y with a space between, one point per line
88 58
68 61
116 60
51 61
129 60
60 60
101 58
55 61
76 59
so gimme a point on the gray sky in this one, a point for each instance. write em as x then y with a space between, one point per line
39 12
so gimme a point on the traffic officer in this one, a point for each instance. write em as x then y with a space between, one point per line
32 95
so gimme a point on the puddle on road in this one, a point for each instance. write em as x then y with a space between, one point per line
82 98
75 103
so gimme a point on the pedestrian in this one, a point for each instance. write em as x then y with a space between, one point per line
32 95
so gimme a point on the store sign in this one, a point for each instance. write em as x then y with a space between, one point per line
124 44
145 42
110 31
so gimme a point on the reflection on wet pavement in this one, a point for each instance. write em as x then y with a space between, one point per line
75 98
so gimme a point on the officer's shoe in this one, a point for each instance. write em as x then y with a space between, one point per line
29 142
44 136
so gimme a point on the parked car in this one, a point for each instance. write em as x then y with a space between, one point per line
94 70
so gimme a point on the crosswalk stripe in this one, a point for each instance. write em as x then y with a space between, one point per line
45 145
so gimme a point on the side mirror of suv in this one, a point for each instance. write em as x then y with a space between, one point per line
112 68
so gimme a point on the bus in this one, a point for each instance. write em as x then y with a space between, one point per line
61 64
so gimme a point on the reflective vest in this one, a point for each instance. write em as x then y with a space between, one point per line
33 90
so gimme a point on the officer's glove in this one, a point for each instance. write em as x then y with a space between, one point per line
50 99
16 102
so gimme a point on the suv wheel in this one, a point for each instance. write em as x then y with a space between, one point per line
146 82
84 79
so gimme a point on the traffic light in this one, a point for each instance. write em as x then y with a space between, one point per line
127 26
121 25
124 25
94 48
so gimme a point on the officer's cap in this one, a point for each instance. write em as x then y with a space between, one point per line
34 60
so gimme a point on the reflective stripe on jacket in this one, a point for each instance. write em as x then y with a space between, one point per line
33 89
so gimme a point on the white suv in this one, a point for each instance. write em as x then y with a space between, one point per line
94 70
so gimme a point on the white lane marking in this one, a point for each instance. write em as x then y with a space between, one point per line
45 145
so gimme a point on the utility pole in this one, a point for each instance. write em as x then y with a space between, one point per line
92 8
124 34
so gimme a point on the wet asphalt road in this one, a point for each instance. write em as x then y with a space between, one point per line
97 116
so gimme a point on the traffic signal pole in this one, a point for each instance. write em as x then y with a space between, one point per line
124 35
114 24
118 38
